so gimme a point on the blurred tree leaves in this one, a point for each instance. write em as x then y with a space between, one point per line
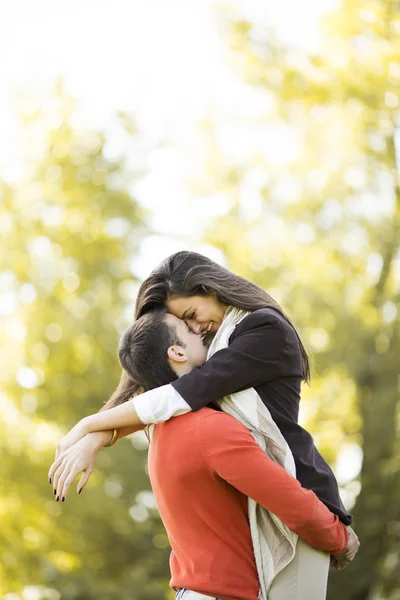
316 203
68 230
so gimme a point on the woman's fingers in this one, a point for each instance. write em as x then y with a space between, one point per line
56 463
338 564
56 475
71 473
59 450
75 459
53 469
83 480
64 476
353 545
66 471
59 477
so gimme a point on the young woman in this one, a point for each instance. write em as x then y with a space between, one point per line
264 352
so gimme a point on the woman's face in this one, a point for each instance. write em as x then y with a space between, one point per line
203 314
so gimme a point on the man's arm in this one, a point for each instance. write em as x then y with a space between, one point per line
234 455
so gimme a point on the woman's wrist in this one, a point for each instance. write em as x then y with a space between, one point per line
101 439
86 426
114 438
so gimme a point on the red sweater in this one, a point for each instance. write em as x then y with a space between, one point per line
202 467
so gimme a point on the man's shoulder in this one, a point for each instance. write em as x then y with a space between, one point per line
210 416
206 423
195 417
215 420
220 433
218 423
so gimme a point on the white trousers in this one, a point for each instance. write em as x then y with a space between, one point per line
305 578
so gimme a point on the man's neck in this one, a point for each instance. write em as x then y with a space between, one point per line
182 369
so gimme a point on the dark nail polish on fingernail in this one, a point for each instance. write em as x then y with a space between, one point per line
80 490
57 499
54 491
62 500
49 480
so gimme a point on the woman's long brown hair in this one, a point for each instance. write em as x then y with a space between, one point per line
126 389
187 273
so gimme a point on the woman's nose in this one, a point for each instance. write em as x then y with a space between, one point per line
195 327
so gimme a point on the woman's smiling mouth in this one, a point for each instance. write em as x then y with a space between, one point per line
207 329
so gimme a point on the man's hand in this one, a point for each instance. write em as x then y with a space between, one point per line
340 561
78 458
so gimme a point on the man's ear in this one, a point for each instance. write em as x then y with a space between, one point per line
177 353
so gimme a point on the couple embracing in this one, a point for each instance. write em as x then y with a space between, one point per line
213 367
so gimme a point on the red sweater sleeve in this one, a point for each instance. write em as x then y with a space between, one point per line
234 455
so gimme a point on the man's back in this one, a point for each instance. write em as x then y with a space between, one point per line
205 517
202 466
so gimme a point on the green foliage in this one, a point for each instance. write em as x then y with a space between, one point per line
69 231
322 233
315 215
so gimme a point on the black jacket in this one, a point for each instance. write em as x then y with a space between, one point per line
264 353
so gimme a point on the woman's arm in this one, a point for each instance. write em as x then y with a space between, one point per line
100 438
123 415
262 348
124 431
120 416
104 437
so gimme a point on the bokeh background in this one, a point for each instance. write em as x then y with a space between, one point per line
263 134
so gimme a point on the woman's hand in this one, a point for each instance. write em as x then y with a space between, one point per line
72 437
77 458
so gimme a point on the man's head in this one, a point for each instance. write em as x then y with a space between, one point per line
158 348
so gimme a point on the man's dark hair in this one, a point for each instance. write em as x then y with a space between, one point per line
143 356
143 350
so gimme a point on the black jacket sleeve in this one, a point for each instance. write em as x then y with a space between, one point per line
262 347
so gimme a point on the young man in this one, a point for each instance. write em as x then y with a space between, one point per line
202 467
